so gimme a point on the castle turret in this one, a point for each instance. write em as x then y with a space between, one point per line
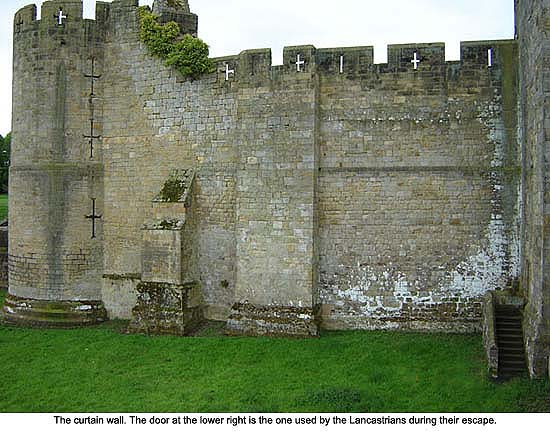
56 176
179 12
171 6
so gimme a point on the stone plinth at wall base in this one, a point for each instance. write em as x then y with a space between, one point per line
166 309
249 320
356 322
57 314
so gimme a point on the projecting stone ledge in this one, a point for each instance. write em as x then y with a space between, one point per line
249 320
52 314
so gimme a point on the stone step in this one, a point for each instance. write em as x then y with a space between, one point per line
508 315
509 323
513 368
505 319
510 338
506 374
511 349
510 330
509 335
43 313
515 362
516 355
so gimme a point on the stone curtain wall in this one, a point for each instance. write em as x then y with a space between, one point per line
386 195
533 27
377 192
411 188
157 122
276 186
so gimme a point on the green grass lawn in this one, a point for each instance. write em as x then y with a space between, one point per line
3 206
101 370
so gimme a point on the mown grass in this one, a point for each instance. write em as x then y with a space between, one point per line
3 206
101 370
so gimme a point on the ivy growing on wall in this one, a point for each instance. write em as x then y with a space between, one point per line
188 54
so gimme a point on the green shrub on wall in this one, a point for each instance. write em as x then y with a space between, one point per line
188 54
159 39
190 57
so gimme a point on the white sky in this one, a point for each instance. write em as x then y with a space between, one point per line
231 26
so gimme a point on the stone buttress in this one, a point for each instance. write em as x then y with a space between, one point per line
169 299
276 194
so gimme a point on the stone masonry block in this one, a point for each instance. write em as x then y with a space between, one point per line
400 57
161 256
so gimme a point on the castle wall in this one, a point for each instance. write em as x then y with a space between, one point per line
276 193
533 28
156 122
412 197
277 116
385 194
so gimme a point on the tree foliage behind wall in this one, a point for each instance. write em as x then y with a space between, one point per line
5 143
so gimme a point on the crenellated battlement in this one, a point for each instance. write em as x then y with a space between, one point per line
24 17
424 60
59 14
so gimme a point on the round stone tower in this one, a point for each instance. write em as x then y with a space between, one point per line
179 12
56 174
173 6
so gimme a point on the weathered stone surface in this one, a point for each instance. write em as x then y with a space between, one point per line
55 252
381 195
42 313
534 41
4 254
251 320
168 309
489 334
182 15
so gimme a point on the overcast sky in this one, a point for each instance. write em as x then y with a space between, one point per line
231 26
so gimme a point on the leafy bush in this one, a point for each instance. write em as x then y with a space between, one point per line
190 57
160 39
188 54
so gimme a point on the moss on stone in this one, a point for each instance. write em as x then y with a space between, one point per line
124 276
172 190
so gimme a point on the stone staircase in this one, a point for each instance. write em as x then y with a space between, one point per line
509 337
